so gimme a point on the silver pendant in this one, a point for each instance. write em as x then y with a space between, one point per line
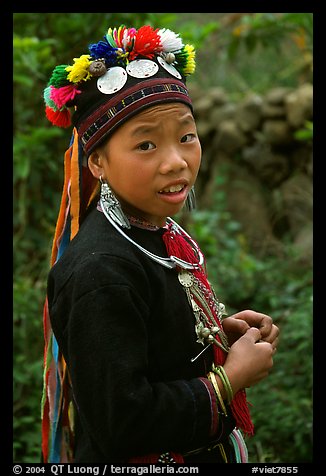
186 279
112 206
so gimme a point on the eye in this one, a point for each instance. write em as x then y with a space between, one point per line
188 138
146 146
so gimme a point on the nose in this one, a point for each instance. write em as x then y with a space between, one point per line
173 161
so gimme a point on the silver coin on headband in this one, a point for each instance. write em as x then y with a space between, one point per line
142 68
113 80
169 67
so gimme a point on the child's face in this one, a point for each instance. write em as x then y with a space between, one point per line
152 161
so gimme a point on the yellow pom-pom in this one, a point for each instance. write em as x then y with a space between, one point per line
190 65
80 70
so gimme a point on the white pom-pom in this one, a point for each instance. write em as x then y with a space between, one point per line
170 41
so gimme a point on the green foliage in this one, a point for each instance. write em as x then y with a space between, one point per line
267 29
28 368
306 133
238 60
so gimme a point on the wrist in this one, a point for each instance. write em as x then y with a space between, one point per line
224 382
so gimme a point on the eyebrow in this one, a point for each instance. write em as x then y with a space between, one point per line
147 127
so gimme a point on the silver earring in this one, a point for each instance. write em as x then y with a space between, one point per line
191 200
112 205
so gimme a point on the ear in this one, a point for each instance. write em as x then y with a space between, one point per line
95 164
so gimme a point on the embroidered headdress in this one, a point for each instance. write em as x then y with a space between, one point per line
125 72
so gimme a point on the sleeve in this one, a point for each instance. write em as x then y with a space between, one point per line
106 348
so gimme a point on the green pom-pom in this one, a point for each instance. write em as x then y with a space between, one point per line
47 99
185 60
59 76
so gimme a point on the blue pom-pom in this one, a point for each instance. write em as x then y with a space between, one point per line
103 49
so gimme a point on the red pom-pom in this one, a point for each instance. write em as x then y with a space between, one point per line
58 118
147 42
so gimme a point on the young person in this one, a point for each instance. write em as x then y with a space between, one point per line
140 363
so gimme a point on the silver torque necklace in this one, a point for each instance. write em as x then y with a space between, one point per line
172 261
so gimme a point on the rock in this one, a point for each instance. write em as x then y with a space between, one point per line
246 201
273 111
303 243
218 96
249 113
277 132
299 105
272 168
277 96
203 128
222 113
229 137
297 202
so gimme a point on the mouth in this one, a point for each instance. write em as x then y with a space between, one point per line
172 189
175 193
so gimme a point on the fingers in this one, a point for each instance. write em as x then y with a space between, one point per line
273 335
232 325
253 334
269 332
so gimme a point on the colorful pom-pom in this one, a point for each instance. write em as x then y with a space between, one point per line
170 41
59 76
147 42
60 96
79 71
58 118
47 97
185 59
104 50
122 37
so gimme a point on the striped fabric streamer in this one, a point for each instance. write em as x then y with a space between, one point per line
239 445
56 398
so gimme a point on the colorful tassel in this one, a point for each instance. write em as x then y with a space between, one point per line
104 50
170 41
147 42
177 244
186 60
60 96
59 76
47 98
58 118
57 432
79 71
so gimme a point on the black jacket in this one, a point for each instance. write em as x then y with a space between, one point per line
126 330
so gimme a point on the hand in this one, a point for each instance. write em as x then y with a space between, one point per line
249 360
237 325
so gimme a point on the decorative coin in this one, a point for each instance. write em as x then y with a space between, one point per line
169 68
142 68
112 81
185 279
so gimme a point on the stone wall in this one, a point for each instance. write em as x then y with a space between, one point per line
267 173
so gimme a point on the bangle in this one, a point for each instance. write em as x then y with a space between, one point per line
219 370
212 379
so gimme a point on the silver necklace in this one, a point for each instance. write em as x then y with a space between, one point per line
172 261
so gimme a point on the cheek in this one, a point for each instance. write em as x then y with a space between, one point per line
196 158
132 179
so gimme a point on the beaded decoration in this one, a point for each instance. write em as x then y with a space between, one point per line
115 54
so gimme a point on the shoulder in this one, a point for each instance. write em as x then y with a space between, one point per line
98 257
